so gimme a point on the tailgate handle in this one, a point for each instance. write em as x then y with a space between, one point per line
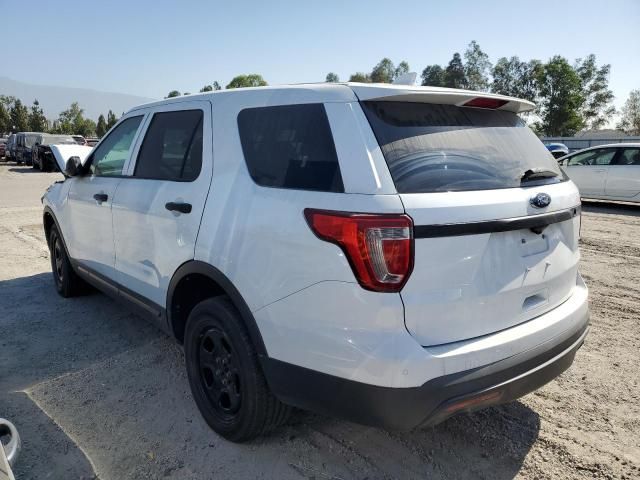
534 301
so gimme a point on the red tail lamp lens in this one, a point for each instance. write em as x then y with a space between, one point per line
379 247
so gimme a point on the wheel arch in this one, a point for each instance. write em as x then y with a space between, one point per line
48 220
216 283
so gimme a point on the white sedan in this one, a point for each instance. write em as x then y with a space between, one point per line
607 172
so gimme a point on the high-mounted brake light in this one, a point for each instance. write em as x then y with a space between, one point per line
484 102
379 247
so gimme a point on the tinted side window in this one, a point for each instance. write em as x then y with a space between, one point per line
593 157
172 147
112 153
290 146
630 156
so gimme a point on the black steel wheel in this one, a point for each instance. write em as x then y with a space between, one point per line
224 373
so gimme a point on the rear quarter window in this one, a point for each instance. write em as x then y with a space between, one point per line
290 146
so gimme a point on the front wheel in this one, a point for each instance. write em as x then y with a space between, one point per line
66 280
226 379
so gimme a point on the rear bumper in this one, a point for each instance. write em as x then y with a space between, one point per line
435 400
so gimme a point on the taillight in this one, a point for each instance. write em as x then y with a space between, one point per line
379 247
484 102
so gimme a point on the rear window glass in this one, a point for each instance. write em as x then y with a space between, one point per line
290 146
439 148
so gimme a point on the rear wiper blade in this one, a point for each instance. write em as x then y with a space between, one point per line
537 174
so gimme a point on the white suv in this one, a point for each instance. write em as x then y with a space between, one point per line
392 255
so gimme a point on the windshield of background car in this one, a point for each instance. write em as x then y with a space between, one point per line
57 139
438 148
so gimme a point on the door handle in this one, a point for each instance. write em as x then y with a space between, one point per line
101 197
178 207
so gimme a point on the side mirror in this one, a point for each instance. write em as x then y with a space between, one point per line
73 167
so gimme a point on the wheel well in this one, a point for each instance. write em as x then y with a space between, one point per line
190 290
48 223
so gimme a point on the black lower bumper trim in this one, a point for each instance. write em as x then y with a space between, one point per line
429 404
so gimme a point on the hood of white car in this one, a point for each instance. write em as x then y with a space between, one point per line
63 152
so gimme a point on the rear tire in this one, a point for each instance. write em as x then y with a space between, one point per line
66 280
226 379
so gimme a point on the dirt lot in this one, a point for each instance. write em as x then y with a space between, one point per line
98 393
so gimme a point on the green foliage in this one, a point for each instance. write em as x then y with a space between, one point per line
251 80
383 72
433 76
561 98
454 74
332 78
597 108
515 78
476 67
401 69
101 126
19 115
206 88
360 77
630 118
111 120
72 122
5 119
37 121
173 93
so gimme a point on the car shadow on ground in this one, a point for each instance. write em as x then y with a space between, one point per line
24 169
599 206
119 387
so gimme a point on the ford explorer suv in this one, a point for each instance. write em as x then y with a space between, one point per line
390 255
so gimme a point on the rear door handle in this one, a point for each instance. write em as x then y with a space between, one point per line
101 197
178 207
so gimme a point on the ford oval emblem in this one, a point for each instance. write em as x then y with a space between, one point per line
541 200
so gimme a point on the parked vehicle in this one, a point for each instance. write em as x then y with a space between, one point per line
24 144
606 172
41 156
10 148
392 255
3 146
558 149
92 141
79 139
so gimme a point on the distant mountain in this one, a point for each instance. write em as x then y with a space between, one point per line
54 100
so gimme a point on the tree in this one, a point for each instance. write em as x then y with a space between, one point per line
173 93
454 76
477 67
19 115
515 78
37 121
332 78
401 69
383 72
561 98
433 76
210 88
630 118
597 108
101 127
5 119
72 122
251 80
360 77
111 120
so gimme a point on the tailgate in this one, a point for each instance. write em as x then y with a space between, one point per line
486 261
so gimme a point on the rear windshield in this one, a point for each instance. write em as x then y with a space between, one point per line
439 148
31 140
57 139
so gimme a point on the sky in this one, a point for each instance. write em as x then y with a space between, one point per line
148 48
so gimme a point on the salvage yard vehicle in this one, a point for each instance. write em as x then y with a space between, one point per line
606 172
24 144
3 147
10 148
41 156
392 255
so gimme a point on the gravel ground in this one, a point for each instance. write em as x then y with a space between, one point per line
98 393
